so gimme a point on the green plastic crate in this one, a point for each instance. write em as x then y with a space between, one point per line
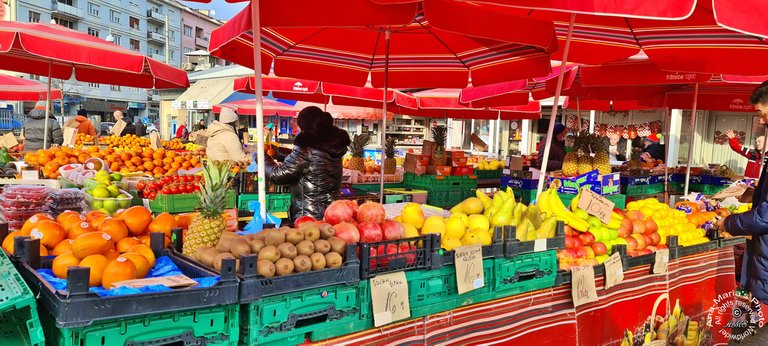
445 198
211 326
320 313
434 291
276 202
641 190
391 198
376 187
524 273
429 182
183 203
19 322
705 189
526 196
488 174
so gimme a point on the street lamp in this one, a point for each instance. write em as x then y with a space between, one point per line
110 38
53 21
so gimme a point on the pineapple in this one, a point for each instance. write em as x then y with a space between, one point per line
585 164
571 164
357 147
584 146
206 228
390 164
439 134
602 160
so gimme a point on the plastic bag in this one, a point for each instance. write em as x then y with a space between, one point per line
257 223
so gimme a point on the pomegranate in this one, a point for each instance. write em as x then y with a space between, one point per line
346 232
338 212
393 230
303 219
370 232
371 212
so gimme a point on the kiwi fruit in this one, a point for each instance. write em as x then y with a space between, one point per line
240 247
218 258
332 260
199 251
273 237
283 266
249 237
326 230
301 264
337 245
318 261
287 250
269 253
322 246
311 232
207 256
225 244
229 235
265 268
305 248
294 236
260 235
256 245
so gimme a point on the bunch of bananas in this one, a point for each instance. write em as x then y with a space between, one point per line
550 204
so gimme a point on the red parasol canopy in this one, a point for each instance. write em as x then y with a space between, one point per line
20 89
248 107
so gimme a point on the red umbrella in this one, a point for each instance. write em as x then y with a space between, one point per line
20 89
248 107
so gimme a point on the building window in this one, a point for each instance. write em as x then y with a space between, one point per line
34 76
199 33
65 23
94 85
114 87
135 44
172 53
187 50
117 39
93 9
187 31
134 23
172 35
114 16
66 2
93 32
34 17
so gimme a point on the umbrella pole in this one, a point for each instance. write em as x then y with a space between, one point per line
667 120
47 105
553 114
258 87
578 114
384 115
691 139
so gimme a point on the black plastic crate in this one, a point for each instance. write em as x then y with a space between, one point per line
726 242
77 307
418 255
564 276
442 257
683 251
514 247
246 183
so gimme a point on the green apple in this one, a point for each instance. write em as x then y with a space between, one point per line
116 176
113 191
111 205
124 201
96 205
100 192
105 211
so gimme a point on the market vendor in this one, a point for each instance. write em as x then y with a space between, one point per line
34 129
617 148
223 144
752 155
557 153
652 149
313 169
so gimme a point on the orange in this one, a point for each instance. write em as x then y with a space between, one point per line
114 227
149 166
63 247
96 222
120 269
137 219
78 229
91 243
126 243
49 232
141 263
69 217
62 262
43 251
111 255
163 222
97 263
145 251
92 215
8 241
32 221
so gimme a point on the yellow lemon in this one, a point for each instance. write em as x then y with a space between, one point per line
478 221
450 243
463 217
413 215
454 228
470 238
410 231
434 224
484 236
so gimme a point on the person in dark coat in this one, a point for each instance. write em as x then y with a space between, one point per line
34 129
754 270
653 148
557 153
141 129
313 168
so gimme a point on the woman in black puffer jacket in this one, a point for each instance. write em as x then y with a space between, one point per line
313 169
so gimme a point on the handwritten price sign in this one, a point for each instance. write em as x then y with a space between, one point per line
614 270
596 205
583 288
389 297
469 268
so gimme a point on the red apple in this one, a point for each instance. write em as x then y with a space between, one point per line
650 226
638 226
661 246
587 238
581 252
303 219
634 215
656 238
641 243
631 243
571 253
589 251
644 252
648 240
599 248
569 230
592 261
620 212
561 254
626 228
577 243
569 242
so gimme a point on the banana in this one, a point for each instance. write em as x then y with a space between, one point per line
614 224
543 203
627 339
575 201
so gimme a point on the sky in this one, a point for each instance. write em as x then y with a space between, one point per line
223 9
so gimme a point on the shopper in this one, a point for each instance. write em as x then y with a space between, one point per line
84 126
617 148
182 132
557 153
129 128
34 129
223 144
141 128
754 270
752 155
201 125
570 140
313 168
637 148
652 149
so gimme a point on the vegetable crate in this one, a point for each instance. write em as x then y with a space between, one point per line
276 202
19 322
642 190
417 196
183 203
514 247
375 187
619 199
201 326
429 182
396 255
318 313
442 257
445 198
524 273
488 174
706 189
525 196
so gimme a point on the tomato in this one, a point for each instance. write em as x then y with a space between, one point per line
152 195
189 188
175 190
141 185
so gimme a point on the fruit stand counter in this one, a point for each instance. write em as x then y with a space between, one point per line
691 287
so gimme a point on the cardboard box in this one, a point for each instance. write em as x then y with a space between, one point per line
462 171
607 184
438 170
416 164
572 185
642 180
519 183
456 154
427 147
515 163
457 162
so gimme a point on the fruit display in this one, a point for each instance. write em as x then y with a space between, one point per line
390 163
439 136
76 173
19 202
581 160
284 251
173 144
61 200
671 221
82 139
357 149
207 227
193 147
103 195
125 142
490 165
169 185
675 329
365 223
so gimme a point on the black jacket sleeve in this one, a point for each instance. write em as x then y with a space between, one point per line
289 171
753 222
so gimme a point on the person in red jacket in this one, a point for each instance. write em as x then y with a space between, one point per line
753 155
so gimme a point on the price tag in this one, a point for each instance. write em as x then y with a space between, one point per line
389 297
154 140
469 268
9 140
661 262
539 245
583 288
614 270
596 205
30 174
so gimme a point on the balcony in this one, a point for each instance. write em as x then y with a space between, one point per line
156 56
66 11
202 42
156 37
156 17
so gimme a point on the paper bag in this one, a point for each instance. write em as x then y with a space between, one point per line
118 128
154 140
735 190
201 138
8 140
71 123
70 136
